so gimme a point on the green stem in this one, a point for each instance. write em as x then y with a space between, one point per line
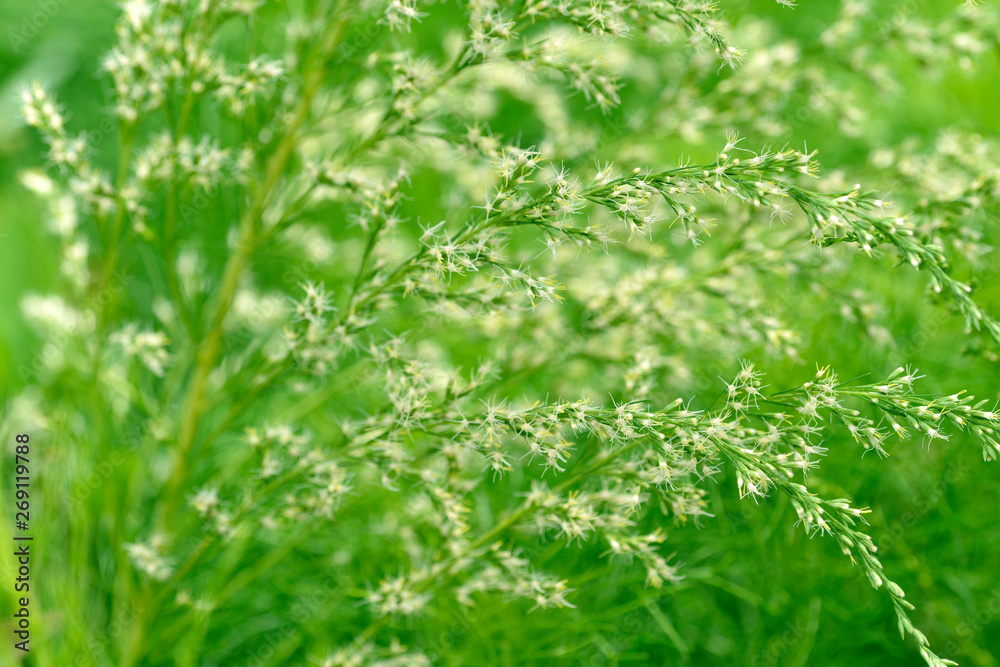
249 225
208 354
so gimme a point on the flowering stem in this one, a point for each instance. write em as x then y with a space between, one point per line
249 224
211 344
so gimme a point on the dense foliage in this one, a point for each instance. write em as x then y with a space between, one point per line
512 332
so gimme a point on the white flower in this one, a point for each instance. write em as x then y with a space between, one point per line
205 501
55 315
137 12
400 13
36 181
146 558
149 346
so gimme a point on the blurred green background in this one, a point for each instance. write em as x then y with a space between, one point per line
757 592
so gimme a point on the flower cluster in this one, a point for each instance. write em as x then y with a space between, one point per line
409 366
150 347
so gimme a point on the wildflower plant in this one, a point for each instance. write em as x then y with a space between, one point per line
354 408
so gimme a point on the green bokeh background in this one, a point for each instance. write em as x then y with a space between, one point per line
757 592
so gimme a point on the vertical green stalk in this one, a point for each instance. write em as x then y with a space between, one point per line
194 404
